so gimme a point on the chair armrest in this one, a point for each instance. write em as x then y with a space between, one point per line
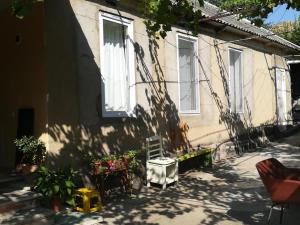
285 191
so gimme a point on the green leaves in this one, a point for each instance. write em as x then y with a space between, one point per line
69 184
55 189
256 10
21 8
55 183
160 15
71 201
289 31
34 150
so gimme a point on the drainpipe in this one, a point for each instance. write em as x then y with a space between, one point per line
275 86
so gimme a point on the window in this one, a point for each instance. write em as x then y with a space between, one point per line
281 96
188 74
236 81
117 65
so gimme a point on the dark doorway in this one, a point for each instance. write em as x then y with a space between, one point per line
295 87
25 127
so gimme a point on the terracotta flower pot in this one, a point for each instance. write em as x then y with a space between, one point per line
55 204
19 168
28 169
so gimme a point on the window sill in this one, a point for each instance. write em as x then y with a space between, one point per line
120 114
239 113
189 113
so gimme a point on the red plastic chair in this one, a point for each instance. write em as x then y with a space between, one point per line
282 183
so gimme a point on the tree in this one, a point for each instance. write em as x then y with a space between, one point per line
160 15
289 31
257 10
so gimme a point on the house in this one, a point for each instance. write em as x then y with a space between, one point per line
85 77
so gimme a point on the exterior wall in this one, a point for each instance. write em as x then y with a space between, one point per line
258 90
22 81
76 128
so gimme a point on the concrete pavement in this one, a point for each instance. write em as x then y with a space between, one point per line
229 194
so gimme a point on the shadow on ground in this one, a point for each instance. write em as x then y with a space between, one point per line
230 193
195 200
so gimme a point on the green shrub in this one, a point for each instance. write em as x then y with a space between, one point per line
56 184
34 150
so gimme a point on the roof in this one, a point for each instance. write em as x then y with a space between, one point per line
210 10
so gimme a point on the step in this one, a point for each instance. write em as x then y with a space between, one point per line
17 199
31 216
12 186
11 178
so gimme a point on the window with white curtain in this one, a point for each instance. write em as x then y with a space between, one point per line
236 81
117 65
281 96
188 74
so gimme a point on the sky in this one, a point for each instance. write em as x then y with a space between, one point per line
280 14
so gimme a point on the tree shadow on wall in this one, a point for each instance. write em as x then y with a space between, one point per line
242 133
90 135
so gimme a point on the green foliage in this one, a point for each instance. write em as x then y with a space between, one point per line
34 150
56 184
256 10
160 15
133 163
113 163
289 31
21 8
194 154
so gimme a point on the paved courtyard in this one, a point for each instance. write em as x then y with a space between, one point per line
230 193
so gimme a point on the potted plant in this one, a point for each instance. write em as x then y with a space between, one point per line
130 160
55 186
34 153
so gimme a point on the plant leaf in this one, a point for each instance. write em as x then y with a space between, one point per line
56 188
70 201
69 183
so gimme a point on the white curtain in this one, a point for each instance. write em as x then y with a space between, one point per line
236 81
281 95
115 69
187 76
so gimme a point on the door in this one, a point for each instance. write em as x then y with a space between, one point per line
281 96
25 127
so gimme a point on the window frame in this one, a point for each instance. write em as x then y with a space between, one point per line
131 64
195 42
283 90
242 80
